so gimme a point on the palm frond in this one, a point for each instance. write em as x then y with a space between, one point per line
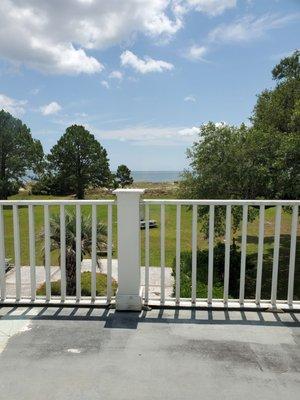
70 228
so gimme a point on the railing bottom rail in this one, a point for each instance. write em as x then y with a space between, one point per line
100 302
264 305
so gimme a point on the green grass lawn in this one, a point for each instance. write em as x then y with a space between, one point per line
101 286
170 239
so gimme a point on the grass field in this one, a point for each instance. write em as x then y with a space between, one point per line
170 239
101 286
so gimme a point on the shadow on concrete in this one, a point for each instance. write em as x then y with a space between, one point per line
130 320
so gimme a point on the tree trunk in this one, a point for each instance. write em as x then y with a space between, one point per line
80 191
71 273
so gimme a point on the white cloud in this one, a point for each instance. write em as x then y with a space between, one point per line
51 108
55 36
13 106
105 84
116 75
154 135
193 131
249 28
210 7
190 98
220 124
196 52
144 66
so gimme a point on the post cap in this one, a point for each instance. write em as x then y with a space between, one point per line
129 191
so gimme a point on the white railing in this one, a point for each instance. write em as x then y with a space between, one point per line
60 208
132 293
225 300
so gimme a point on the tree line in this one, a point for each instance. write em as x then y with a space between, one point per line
77 162
256 161
260 160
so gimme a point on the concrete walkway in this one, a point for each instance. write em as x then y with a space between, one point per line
154 278
91 353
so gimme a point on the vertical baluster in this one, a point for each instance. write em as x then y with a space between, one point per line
94 251
290 296
78 252
32 251
260 253
17 250
147 253
2 256
276 255
178 248
63 252
47 252
162 254
109 253
194 254
227 253
243 255
210 253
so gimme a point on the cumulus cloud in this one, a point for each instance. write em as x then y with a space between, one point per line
105 84
13 106
190 98
51 108
193 131
196 52
220 124
116 75
249 27
146 65
56 36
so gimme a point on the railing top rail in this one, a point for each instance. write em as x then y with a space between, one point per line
205 202
55 202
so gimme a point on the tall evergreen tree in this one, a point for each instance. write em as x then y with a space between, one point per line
19 152
78 161
123 176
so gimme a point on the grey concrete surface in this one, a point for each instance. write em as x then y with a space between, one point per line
86 353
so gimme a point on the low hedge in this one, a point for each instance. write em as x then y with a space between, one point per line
218 272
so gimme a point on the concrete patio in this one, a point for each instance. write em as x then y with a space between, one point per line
154 278
88 353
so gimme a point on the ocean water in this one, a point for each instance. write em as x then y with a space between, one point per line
155 176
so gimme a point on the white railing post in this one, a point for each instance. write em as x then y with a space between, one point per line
129 295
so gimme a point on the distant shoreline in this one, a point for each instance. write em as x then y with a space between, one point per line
156 176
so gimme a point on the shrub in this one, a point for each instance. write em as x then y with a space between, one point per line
49 184
218 272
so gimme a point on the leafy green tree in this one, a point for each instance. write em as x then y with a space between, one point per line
221 169
78 161
261 161
123 176
276 121
288 68
19 152
86 242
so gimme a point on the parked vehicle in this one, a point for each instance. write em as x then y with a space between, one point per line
152 224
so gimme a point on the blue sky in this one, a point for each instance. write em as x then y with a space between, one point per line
141 75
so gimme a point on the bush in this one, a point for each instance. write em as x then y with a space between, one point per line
8 188
218 272
101 285
49 185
